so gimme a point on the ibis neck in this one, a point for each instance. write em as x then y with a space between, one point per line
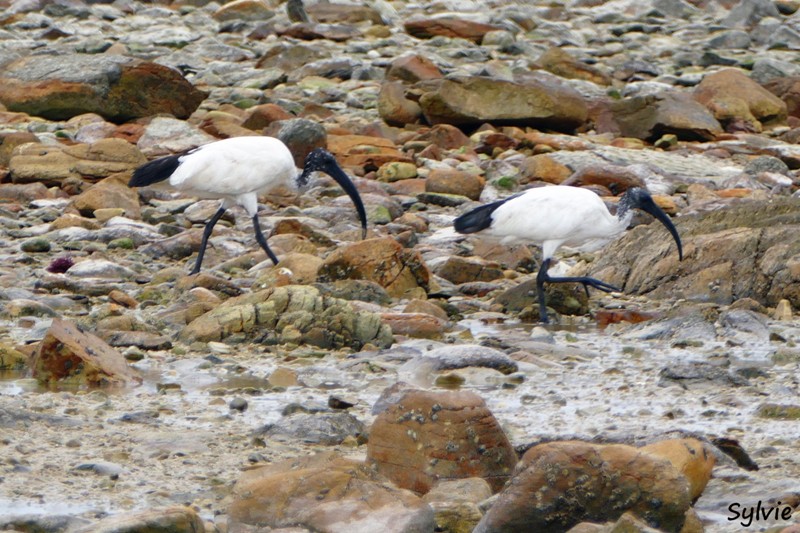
624 210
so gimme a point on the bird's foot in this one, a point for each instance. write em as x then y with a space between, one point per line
587 282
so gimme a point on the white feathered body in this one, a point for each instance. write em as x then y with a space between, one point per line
557 216
236 169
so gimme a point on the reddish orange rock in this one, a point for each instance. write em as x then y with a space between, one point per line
429 436
690 457
557 485
413 68
68 354
381 260
449 27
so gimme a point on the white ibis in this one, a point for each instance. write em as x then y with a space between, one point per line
561 216
237 170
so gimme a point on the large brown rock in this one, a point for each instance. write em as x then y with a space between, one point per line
562 63
467 269
117 87
451 181
177 519
382 260
67 354
449 26
111 192
429 436
787 89
472 101
325 492
750 249
649 117
393 106
738 102
34 162
560 484
690 457
413 68
364 151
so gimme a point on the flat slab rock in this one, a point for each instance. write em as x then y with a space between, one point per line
68 354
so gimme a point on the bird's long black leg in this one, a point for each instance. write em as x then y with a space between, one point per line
206 234
262 241
587 282
541 277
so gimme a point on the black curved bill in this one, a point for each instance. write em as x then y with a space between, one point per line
647 205
324 161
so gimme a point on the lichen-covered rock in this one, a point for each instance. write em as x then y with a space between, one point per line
559 484
116 87
325 492
429 436
291 314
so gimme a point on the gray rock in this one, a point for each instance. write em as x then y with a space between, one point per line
648 117
300 135
731 39
327 429
463 356
748 12
100 268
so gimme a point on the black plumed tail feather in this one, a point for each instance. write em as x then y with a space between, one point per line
479 218
155 171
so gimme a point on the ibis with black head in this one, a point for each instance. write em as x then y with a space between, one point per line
556 216
237 170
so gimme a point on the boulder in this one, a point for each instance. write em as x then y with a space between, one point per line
560 484
325 492
68 354
116 87
455 182
448 26
562 63
690 457
651 116
456 503
177 519
394 107
748 250
111 192
738 102
382 260
290 314
472 101
426 436
413 68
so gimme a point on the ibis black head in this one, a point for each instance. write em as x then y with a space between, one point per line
640 199
322 160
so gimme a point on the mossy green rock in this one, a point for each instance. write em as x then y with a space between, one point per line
36 245
297 314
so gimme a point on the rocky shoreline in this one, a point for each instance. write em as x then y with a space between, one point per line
398 382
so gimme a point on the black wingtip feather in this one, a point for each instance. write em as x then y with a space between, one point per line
478 219
155 171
